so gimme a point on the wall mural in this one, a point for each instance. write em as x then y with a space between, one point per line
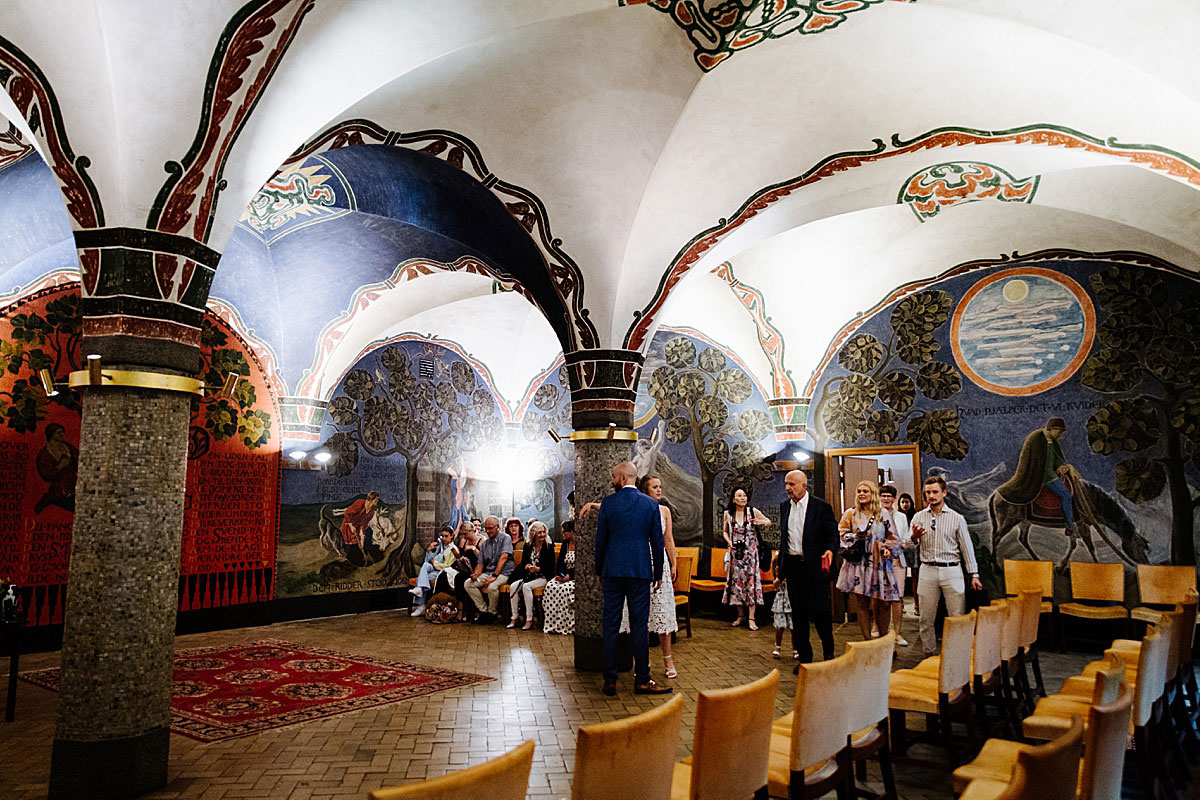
420 426
940 186
1053 386
231 506
700 418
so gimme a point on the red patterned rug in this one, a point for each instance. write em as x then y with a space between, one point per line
236 690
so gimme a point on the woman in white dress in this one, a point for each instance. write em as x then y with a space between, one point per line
663 619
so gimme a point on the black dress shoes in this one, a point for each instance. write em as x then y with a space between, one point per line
650 687
610 690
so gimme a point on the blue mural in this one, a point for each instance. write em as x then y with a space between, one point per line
34 224
1089 358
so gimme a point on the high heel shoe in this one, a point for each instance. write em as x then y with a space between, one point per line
512 624
669 663
753 625
736 622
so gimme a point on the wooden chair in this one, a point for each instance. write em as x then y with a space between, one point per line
1044 772
502 778
1030 602
944 696
716 770
1054 713
1022 576
1097 592
1160 588
683 583
689 552
867 723
809 751
1018 699
716 570
631 757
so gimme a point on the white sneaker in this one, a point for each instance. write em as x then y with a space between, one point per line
874 631
418 611
415 592
901 641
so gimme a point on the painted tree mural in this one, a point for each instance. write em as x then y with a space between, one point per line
692 394
38 342
429 419
219 417
549 410
879 395
1149 355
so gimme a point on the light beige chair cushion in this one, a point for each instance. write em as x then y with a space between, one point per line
631 757
502 778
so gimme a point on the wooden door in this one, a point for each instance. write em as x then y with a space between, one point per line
854 470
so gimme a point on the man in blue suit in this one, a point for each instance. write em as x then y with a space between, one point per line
629 557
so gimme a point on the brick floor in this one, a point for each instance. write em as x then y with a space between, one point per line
537 694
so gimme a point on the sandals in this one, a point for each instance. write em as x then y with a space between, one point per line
669 663
753 625
775 653
736 622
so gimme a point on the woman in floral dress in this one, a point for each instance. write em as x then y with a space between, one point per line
875 579
743 582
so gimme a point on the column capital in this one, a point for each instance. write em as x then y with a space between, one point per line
790 417
603 386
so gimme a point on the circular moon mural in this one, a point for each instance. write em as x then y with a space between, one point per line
1022 331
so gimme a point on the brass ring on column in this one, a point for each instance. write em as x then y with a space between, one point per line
611 434
160 381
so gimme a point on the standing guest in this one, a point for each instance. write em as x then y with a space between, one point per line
515 530
558 599
943 541
663 618
899 524
440 555
907 507
629 558
743 581
808 537
537 565
860 526
781 609
493 571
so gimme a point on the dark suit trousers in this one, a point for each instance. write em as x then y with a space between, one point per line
809 596
616 592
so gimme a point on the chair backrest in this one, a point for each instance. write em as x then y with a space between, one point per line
690 552
958 634
1152 668
1161 585
822 704
716 562
503 778
1010 631
1051 770
989 630
1030 602
765 575
1187 630
740 717
1020 576
1097 582
1110 680
1104 748
683 575
870 671
1174 619
631 757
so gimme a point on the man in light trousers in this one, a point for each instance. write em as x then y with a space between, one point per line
943 545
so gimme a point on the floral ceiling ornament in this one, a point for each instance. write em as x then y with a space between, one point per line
719 28
947 184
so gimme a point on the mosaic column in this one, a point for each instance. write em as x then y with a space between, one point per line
112 735
603 390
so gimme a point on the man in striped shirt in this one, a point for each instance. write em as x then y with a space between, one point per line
943 542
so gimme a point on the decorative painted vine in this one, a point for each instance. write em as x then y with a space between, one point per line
950 183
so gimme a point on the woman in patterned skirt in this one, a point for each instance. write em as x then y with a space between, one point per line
663 619
873 578
743 582
558 598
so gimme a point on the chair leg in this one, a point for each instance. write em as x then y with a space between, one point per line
948 738
1037 671
687 611
761 794
899 732
885 765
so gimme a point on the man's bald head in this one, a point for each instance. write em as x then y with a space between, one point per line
795 483
624 474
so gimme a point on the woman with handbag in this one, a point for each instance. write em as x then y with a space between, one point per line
743 581
870 549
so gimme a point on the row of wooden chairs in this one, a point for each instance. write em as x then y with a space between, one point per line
1098 591
1139 692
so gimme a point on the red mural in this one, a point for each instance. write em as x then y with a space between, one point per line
232 501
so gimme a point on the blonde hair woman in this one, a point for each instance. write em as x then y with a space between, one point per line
870 548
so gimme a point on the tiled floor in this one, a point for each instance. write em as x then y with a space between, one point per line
537 694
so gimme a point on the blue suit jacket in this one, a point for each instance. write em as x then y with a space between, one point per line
629 537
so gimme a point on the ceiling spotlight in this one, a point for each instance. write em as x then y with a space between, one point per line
553 434
231 382
47 382
323 456
297 455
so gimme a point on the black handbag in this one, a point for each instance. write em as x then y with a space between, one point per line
856 552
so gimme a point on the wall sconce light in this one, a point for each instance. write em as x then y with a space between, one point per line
323 456
297 455
231 382
553 434
47 382
93 369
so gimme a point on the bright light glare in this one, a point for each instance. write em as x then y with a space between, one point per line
323 456
298 455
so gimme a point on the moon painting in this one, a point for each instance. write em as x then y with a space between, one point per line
1022 331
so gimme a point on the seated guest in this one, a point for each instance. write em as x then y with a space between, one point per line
515 530
493 570
440 554
453 579
558 600
537 565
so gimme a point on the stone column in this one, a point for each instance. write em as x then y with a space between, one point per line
603 389
112 738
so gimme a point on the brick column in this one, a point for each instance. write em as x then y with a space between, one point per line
603 389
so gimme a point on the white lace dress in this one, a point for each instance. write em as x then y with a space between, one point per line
663 617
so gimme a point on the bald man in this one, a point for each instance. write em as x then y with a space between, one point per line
808 538
629 557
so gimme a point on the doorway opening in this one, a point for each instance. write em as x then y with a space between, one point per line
896 465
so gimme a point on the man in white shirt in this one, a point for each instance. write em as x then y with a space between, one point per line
808 538
899 524
943 543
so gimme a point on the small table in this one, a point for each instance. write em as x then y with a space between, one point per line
10 644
